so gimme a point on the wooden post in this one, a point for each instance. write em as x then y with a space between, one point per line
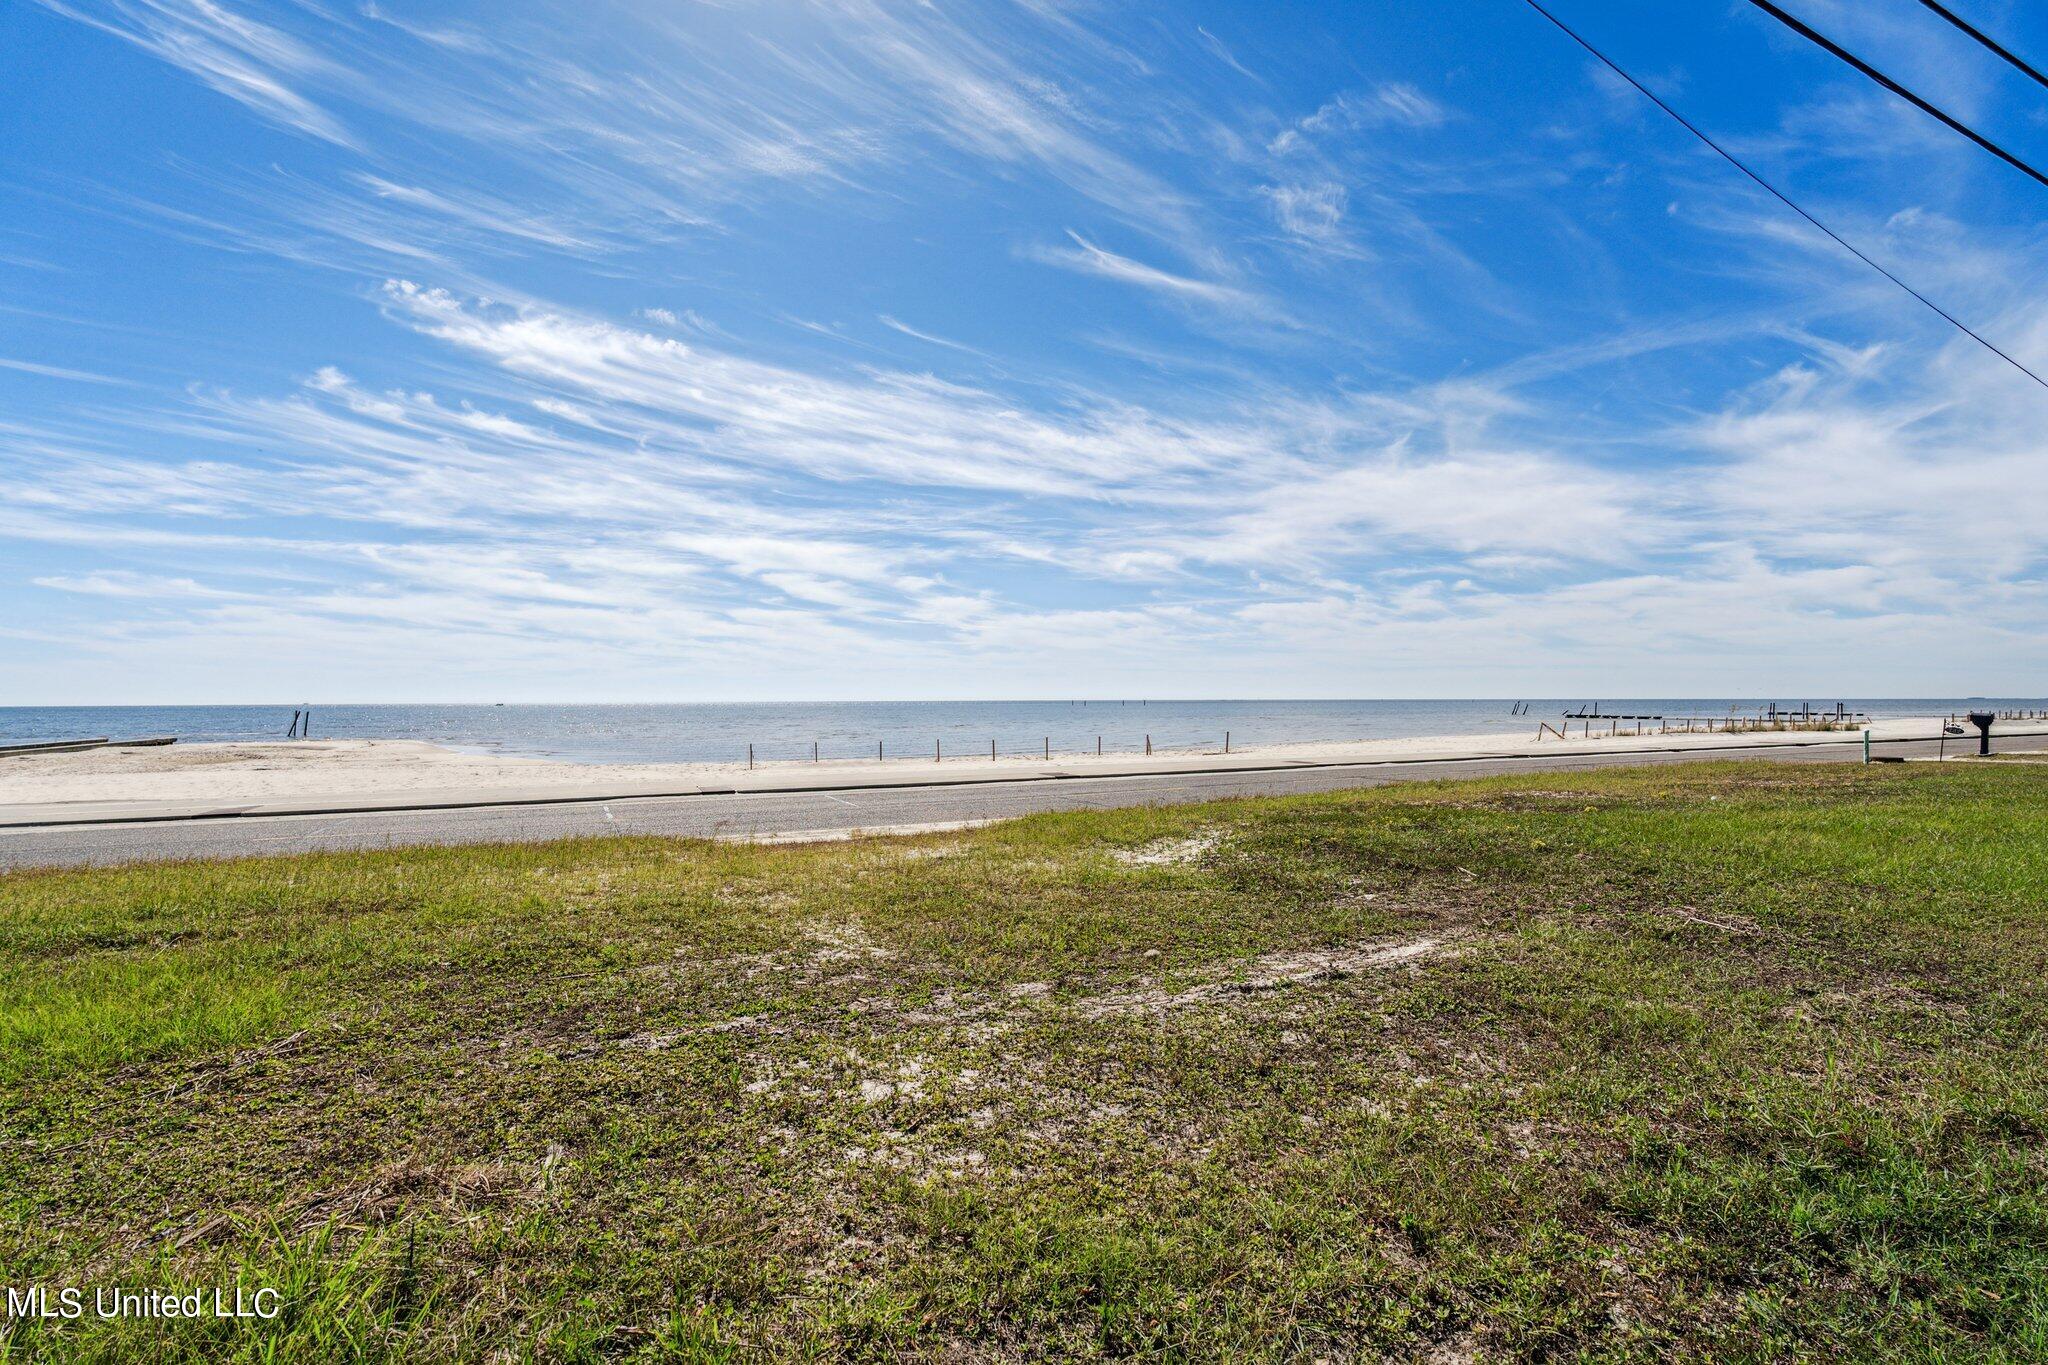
1048 748
1148 746
1098 746
750 758
991 751
878 751
1226 741
935 751
814 751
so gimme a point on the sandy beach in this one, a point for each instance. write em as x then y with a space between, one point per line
312 771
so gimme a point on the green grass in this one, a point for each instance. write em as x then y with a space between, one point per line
1731 1062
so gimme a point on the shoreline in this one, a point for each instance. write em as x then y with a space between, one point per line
392 772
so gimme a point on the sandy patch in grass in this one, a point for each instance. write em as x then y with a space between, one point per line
843 941
833 943
984 1015
1274 971
855 832
1169 852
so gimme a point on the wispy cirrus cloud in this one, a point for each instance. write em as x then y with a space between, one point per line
906 329
1313 212
254 63
1087 258
118 583
670 461
634 131
643 466
1357 445
907 427
1396 104
57 372
1224 54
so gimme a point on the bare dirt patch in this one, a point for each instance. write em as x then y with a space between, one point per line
1273 972
1169 852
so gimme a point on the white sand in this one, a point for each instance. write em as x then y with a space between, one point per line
319 770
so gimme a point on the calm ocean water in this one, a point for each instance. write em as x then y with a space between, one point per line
721 733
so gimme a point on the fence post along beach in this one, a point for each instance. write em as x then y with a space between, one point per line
1769 716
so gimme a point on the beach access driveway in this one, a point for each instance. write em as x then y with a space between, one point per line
842 812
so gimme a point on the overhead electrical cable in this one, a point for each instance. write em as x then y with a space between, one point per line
1779 194
1828 44
1981 36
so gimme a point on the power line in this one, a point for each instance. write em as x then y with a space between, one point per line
1984 38
1780 195
1901 91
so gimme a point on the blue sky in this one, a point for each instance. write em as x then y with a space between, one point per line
622 351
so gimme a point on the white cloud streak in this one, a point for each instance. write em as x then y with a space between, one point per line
250 62
1089 259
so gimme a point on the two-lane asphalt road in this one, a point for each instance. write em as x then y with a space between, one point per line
820 814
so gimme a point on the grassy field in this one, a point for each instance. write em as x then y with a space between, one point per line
1731 1062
